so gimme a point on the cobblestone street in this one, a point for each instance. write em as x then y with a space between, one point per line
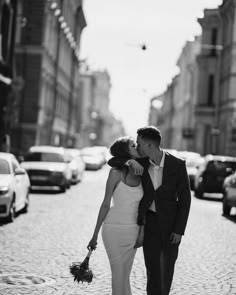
58 227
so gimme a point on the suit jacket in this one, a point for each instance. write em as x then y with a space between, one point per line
172 198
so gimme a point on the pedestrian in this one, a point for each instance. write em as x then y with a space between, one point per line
163 210
120 232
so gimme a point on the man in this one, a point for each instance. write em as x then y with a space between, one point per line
164 208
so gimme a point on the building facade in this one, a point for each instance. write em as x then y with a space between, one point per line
98 124
202 104
8 86
216 108
226 105
176 118
47 59
206 110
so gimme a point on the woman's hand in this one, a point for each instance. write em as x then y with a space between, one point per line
92 245
139 241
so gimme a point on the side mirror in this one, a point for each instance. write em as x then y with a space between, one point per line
20 159
20 171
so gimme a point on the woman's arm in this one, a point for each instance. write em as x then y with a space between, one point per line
112 181
139 241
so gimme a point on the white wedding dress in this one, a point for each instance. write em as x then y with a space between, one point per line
119 234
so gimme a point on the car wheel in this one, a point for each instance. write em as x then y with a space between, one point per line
26 207
12 212
226 207
63 188
199 193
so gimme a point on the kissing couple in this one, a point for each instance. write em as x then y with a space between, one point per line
146 204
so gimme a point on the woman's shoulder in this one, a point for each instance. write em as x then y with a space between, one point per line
115 172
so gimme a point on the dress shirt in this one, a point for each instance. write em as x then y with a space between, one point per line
156 173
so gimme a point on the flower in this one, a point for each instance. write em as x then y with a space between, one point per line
81 271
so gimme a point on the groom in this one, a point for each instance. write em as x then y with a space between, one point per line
164 208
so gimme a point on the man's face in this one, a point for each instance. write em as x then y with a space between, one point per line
142 147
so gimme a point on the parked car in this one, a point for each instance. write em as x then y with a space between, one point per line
93 158
14 187
212 173
193 162
103 151
229 194
76 164
48 166
172 152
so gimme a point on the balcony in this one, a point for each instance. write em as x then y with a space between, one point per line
204 110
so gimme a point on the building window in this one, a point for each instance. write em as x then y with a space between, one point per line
213 41
210 97
233 135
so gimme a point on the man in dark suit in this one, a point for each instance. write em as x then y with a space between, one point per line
164 208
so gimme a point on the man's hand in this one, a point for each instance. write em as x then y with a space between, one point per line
136 167
175 238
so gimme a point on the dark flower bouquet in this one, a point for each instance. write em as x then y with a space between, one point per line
81 271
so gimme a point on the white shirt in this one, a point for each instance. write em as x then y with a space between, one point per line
156 173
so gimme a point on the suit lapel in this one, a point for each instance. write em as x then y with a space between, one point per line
166 171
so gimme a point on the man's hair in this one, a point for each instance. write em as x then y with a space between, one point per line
150 133
120 148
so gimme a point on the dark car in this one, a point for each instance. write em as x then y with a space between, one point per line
212 173
229 194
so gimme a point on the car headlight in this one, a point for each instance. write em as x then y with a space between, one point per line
4 190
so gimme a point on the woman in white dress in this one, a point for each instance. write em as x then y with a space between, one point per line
120 233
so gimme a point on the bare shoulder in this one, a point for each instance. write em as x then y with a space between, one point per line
114 173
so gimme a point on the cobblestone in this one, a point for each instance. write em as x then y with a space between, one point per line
58 227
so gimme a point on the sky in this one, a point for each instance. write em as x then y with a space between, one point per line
112 41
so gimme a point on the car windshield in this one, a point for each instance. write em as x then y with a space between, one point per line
43 157
4 167
220 165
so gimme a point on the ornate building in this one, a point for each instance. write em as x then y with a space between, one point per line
207 108
47 59
216 110
98 124
201 101
8 18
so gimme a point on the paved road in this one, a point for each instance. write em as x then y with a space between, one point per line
57 229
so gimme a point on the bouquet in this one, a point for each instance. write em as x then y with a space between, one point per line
81 271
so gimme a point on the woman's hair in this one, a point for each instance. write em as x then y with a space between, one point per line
120 148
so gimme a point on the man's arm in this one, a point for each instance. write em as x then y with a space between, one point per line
117 162
184 200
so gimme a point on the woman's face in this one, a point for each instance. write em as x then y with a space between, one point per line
133 149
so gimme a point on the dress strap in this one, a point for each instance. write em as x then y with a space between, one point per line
124 173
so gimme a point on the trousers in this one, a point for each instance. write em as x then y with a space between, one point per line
159 255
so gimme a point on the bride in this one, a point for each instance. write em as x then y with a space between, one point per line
120 233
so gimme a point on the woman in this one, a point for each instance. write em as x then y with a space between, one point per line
120 233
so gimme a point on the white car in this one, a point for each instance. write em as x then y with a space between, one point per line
93 158
14 187
48 167
76 164
193 162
